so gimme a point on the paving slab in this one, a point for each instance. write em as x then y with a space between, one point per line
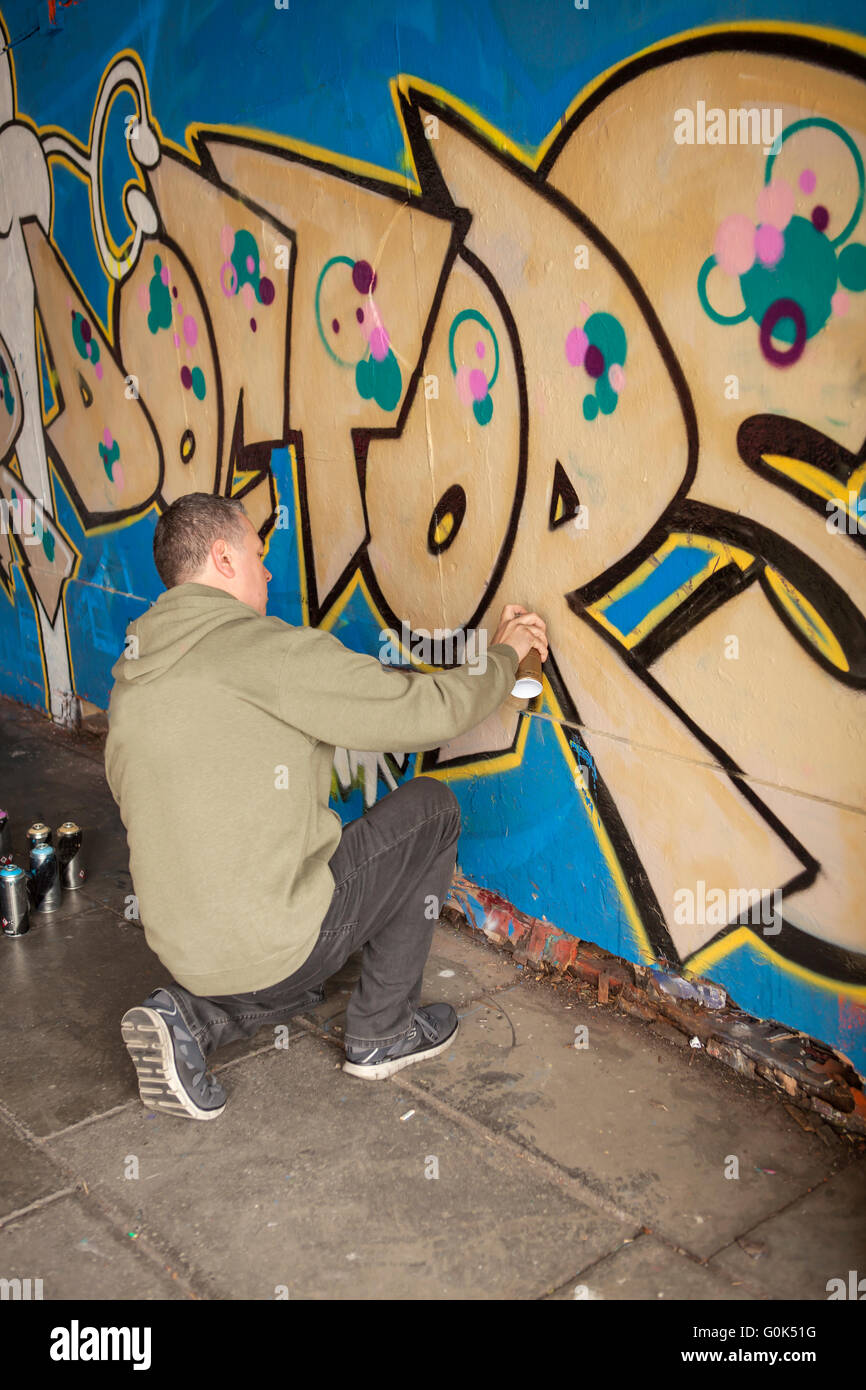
26 1174
63 990
642 1123
646 1269
820 1237
312 1180
79 1255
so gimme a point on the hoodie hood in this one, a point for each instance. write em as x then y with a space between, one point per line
179 619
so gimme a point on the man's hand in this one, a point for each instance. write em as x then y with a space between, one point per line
522 631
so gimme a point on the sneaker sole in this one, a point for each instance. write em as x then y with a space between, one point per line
394 1064
149 1044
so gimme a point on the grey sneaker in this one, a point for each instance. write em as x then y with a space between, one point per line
172 1074
433 1029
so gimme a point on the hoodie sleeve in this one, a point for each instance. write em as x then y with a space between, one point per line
340 697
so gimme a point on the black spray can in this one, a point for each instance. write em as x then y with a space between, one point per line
72 870
45 879
14 904
5 840
38 834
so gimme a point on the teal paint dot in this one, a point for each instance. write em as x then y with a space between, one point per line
245 246
606 396
806 273
483 410
380 381
109 457
48 544
198 383
607 334
852 267
387 382
364 379
160 301
590 407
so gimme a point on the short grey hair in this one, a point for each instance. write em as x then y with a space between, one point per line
188 528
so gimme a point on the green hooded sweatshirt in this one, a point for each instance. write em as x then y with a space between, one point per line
222 729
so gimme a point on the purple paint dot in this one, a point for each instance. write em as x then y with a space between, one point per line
266 290
359 315
253 325
594 361
477 384
335 324
362 277
174 290
820 218
479 349
85 330
186 377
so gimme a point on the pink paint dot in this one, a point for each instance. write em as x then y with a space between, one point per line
575 346
478 384
88 349
776 203
735 244
840 303
142 298
379 343
769 244
464 390
248 295
177 340
106 437
807 181
251 265
479 349
178 309
117 475
584 310
190 330
189 354
98 370
227 240
616 377
163 275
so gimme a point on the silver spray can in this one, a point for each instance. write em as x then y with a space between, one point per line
5 839
38 834
45 879
72 870
14 902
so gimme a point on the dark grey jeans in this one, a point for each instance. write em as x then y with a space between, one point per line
392 872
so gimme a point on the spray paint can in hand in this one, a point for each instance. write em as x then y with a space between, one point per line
14 903
45 879
72 870
38 834
5 839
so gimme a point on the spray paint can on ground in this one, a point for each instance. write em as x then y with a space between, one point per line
45 879
5 839
72 870
14 903
38 834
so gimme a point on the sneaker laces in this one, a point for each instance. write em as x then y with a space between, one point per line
427 1028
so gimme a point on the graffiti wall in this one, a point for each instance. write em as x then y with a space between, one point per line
612 370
